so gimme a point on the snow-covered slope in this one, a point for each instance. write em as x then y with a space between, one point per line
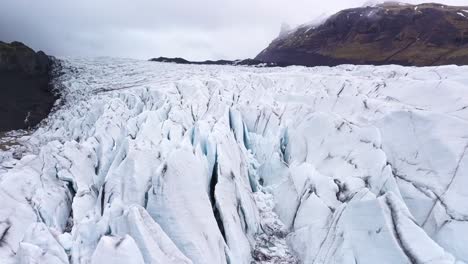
160 163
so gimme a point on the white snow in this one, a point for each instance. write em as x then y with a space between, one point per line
162 163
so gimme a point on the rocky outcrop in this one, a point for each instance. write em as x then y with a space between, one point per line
390 33
25 94
245 62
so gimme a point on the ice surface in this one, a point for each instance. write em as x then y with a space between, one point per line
161 163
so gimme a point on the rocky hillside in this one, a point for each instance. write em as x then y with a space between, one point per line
244 62
390 33
25 94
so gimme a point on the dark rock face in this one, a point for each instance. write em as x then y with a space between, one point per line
171 60
25 94
245 62
390 33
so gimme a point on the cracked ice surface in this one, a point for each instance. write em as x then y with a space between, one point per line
161 163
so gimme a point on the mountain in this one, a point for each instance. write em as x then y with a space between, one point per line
162 163
25 94
244 62
389 33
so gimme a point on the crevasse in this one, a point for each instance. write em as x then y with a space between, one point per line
160 163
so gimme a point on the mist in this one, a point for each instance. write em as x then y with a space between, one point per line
196 30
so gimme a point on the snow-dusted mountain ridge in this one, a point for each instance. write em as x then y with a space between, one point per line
151 162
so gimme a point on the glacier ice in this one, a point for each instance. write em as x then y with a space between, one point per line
148 162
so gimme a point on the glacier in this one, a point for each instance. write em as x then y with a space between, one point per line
145 162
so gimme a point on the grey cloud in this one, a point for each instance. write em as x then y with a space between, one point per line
203 29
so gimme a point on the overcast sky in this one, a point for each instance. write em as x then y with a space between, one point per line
194 29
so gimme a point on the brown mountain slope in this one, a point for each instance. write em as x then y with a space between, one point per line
390 33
